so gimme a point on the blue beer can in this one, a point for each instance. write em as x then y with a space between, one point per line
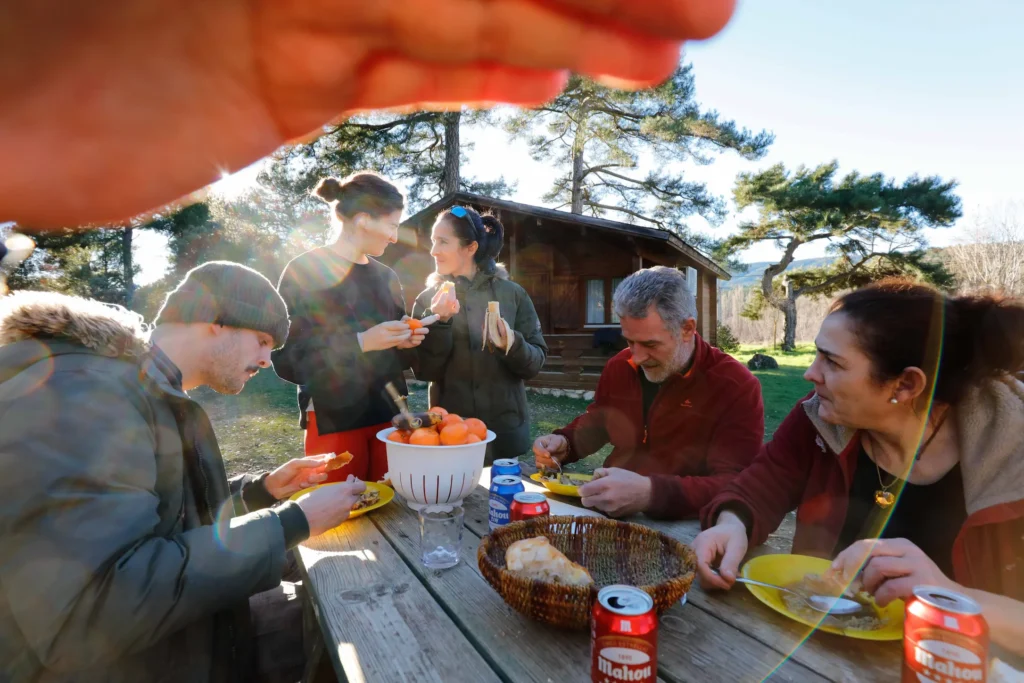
503 487
508 467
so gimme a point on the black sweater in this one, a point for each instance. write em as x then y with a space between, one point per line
330 300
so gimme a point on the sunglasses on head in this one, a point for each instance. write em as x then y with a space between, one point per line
458 212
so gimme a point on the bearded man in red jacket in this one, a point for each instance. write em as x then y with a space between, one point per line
683 418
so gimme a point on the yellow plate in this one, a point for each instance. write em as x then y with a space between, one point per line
562 489
783 570
386 495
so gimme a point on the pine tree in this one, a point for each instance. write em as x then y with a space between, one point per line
600 137
872 225
423 150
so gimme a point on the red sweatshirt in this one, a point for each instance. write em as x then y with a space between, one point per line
702 429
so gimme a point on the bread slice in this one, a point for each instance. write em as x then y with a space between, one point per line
536 558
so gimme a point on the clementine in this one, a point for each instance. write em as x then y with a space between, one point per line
425 436
450 418
473 438
477 427
413 324
454 434
399 436
439 410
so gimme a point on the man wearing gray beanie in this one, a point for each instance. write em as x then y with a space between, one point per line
119 503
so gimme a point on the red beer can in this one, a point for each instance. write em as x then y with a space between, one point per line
945 637
526 505
623 637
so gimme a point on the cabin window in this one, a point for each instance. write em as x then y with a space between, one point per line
599 301
596 303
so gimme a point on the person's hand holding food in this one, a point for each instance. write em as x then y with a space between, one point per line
417 332
329 506
549 451
617 492
889 569
386 335
723 546
444 304
297 474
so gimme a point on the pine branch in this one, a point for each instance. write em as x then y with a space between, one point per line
837 278
627 211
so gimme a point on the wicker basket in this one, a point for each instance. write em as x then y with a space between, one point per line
614 552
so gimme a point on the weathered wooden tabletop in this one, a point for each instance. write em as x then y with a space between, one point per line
387 618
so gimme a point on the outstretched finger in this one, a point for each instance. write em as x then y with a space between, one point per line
680 19
404 85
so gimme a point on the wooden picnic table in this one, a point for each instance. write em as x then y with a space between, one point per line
385 617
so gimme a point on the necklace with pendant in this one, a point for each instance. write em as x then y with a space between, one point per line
885 498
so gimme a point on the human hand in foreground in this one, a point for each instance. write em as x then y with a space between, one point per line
329 506
889 568
723 545
617 492
416 336
386 335
127 106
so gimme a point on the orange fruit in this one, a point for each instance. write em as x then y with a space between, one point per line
473 438
477 428
454 434
439 410
450 418
413 324
399 436
425 437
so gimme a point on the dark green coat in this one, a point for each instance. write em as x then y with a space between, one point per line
472 382
126 557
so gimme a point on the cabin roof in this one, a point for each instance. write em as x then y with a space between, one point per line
643 231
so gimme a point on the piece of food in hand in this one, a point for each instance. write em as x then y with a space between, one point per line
447 286
454 434
476 427
366 499
425 437
491 335
336 461
536 558
416 420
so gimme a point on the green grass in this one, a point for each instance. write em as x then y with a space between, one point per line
259 428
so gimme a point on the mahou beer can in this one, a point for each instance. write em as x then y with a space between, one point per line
528 505
945 637
623 637
502 490
507 467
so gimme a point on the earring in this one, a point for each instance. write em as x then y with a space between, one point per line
893 400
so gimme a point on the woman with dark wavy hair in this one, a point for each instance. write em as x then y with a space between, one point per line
906 462
467 375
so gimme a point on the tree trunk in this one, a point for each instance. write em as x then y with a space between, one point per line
450 180
577 162
127 265
789 311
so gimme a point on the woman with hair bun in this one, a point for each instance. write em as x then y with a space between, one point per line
347 338
906 462
468 376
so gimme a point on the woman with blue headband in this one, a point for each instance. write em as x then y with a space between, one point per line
478 372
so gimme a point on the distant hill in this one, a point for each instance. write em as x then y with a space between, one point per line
752 275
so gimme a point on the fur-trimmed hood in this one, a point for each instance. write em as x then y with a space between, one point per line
107 329
500 273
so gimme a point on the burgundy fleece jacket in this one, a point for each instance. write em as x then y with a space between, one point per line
703 428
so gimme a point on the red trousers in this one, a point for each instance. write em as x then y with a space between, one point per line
369 455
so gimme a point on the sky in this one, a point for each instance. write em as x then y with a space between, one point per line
932 87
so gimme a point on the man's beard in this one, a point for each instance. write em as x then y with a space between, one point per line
679 360
221 375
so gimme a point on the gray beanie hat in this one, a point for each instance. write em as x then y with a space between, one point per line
228 294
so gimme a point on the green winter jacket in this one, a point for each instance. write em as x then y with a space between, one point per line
126 558
472 382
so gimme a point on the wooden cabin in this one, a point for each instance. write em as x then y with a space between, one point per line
570 265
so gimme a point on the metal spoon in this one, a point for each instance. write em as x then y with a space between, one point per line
821 603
